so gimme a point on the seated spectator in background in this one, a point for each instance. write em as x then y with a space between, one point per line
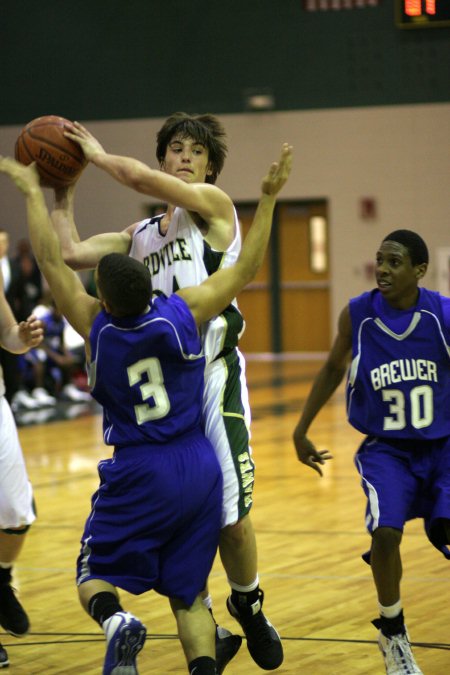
52 367
15 293
31 276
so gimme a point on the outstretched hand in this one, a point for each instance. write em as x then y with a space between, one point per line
307 453
31 331
25 177
89 144
278 172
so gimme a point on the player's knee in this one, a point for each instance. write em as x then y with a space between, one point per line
236 535
386 539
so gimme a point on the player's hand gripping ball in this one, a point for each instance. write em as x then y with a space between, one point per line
59 160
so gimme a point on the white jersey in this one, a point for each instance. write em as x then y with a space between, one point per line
182 258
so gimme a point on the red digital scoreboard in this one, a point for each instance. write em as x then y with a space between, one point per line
422 13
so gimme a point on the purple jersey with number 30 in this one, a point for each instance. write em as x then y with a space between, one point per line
399 381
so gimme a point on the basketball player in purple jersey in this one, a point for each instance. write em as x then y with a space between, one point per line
198 234
396 340
155 519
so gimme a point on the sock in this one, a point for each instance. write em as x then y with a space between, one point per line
5 573
208 602
391 611
103 605
203 665
243 597
392 625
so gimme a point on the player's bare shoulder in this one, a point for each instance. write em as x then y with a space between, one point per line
130 230
217 219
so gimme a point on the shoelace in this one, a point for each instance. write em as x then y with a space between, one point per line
398 653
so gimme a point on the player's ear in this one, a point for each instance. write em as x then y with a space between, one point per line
421 270
106 306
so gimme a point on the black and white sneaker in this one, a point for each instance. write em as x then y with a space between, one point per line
227 646
263 641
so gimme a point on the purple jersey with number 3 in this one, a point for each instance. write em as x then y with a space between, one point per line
155 518
398 384
147 373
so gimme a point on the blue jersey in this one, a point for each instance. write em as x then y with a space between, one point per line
147 373
54 330
398 384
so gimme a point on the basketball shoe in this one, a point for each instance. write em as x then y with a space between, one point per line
398 657
22 400
125 636
227 646
13 617
263 641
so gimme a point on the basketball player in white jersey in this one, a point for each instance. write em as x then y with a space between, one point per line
17 511
198 233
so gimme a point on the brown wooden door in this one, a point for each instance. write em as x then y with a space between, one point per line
287 307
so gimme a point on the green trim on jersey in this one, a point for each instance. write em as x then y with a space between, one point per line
233 318
238 434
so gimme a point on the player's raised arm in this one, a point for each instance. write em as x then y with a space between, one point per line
82 254
216 293
200 197
69 293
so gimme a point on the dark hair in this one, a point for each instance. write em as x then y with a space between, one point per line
204 129
417 248
124 283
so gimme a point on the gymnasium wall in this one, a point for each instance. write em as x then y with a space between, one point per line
366 106
116 59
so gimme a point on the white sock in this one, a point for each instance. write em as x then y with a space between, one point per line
244 589
392 611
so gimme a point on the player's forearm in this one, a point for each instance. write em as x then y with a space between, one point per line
158 184
85 254
255 243
126 170
325 384
11 340
64 225
43 238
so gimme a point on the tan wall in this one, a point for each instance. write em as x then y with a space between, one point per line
397 155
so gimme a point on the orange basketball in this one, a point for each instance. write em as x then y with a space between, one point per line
59 160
